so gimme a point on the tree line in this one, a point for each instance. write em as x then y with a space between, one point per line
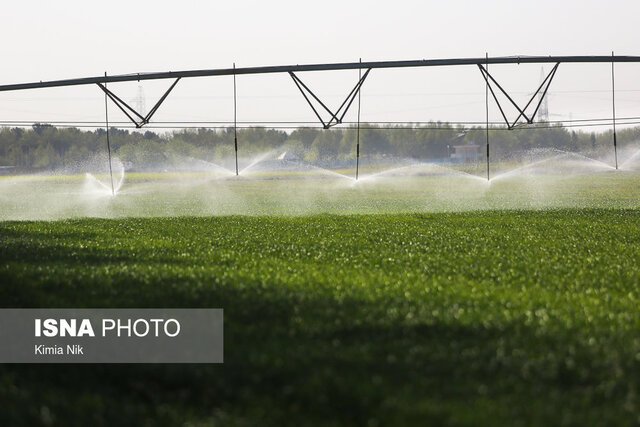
44 146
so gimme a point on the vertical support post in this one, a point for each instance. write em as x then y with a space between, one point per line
486 103
358 130
613 93
106 118
235 114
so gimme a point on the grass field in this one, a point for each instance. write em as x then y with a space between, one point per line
502 317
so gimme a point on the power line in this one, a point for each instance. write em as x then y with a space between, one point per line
370 126
294 122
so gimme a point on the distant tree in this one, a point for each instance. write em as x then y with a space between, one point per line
45 146
150 135
573 146
327 144
295 147
305 135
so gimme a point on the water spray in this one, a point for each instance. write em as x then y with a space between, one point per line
613 93
106 117
235 115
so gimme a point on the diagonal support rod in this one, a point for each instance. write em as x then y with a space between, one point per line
546 83
352 95
339 114
123 106
159 103
488 76
300 84
547 80
489 88
130 112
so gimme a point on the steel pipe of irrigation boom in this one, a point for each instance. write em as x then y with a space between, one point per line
317 67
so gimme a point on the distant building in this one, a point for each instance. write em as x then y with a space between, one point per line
469 152
126 165
287 155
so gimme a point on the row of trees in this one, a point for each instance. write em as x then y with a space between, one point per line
47 147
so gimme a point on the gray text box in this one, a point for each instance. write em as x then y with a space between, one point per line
145 336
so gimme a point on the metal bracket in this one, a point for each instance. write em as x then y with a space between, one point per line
545 84
338 116
130 111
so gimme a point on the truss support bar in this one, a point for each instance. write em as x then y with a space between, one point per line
337 116
489 88
485 72
546 83
300 85
159 103
130 111
352 95
123 106
549 77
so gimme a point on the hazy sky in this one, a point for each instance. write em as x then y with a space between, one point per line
44 40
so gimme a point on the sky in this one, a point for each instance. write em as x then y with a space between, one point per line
45 40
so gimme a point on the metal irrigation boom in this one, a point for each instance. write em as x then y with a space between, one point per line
336 117
319 67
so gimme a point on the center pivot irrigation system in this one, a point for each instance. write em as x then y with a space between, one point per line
336 117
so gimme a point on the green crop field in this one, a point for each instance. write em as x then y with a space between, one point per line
281 194
495 316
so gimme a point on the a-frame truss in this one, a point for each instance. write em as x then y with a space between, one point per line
544 87
337 116
139 120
